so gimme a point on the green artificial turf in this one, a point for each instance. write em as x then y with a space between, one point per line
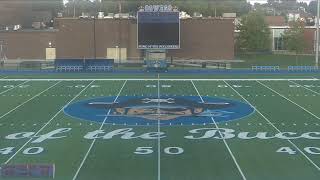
281 106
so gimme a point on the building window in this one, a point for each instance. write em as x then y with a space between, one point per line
279 44
279 41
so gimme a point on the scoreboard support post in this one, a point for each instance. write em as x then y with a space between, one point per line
155 60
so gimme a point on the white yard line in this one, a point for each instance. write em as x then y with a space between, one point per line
159 144
48 122
269 122
305 87
166 79
289 100
13 87
224 141
28 100
93 141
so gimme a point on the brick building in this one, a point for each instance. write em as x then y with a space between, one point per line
207 38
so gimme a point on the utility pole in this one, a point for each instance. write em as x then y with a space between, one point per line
74 8
3 56
317 42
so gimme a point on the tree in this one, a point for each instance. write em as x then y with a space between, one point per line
254 35
294 38
80 6
213 7
54 6
312 8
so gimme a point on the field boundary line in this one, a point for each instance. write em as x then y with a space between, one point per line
28 100
224 141
158 129
13 87
94 140
48 122
166 79
269 122
289 100
305 87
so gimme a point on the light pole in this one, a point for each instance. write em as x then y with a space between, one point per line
317 41
117 54
74 8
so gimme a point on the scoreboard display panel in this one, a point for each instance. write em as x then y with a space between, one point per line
158 30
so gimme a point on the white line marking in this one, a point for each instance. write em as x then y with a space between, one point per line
224 141
47 124
288 99
305 87
13 87
92 143
170 79
28 100
159 148
294 145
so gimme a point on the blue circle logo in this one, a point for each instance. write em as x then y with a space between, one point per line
167 110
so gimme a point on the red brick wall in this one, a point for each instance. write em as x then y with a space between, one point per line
309 35
74 38
27 45
206 39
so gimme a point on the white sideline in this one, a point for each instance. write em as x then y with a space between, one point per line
294 145
158 128
224 141
45 125
289 100
29 100
165 79
92 143
305 87
13 87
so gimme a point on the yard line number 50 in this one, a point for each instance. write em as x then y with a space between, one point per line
167 150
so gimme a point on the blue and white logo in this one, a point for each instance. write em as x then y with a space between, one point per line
168 110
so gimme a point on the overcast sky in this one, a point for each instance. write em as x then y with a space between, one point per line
251 1
264 1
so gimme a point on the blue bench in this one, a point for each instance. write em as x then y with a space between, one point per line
302 68
69 65
77 65
265 68
99 64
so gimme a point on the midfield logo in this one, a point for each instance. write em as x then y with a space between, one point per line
170 110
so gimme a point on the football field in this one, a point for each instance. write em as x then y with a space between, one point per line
163 128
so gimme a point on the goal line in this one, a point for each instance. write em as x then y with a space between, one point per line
165 79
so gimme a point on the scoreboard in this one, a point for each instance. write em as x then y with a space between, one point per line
158 28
